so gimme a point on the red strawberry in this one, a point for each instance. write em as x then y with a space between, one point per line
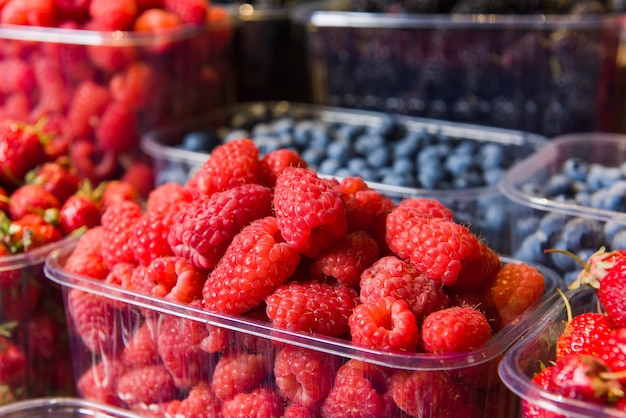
110 58
531 409
585 333
91 162
117 191
19 78
190 11
386 324
455 329
32 231
238 372
134 86
231 165
31 199
45 337
254 264
86 257
141 175
146 385
612 351
110 15
156 20
310 213
261 402
32 13
13 362
312 307
21 149
79 211
57 177
612 294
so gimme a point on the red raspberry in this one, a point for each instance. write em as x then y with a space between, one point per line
110 15
200 402
477 269
150 241
166 197
54 91
385 324
99 382
363 204
146 385
512 290
238 372
427 207
260 402
231 165
88 103
428 393
390 276
141 347
273 163
140 174
190 11
86 257
179 344
19 77
346 260
436 246
93 317
134 86
31 13
295 410
255 263
455 329
31 198
310 213
117 191
118 128
110 58
175 278
119 220
202 230
360 389
156 20
312 307
304 376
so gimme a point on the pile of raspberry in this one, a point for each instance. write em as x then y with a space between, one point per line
266 239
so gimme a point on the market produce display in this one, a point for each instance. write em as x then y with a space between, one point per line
267 240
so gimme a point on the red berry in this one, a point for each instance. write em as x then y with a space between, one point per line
141 347
150 241
79 211
238 372
88 103
190 11
57 177
117 191
93 317
146 385
166 197
478 268
118 128
585 334
364 205
260 402
201 401
612 294
454 329
20 150
99 382
273 163
86 257
118 221
110 15
175 278
31 198
13 362
427 207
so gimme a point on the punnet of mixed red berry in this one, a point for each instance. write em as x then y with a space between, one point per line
259 288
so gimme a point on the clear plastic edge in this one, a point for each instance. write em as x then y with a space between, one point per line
499 343
35 256
76 404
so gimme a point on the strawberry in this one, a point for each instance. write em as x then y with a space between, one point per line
79 211
134 86
612 294
31 199
612 351
12 362
141 175
110 15
32 13
57 177
117 191
19 78
91 162
32 231
585 333
156 20
21 149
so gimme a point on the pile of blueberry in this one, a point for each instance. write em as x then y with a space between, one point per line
585 185
398 158
546 78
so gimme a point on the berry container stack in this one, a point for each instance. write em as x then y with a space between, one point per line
530 355
458 164
34 348
568 197
153 339
545 67
62 407
100 76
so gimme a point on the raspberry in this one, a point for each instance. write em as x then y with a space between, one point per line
435 246
427 207
273 163
99 382
117 191
86 257
88 103
260 402
179 343
363 204
146 385
150 240
310 213
428 393
386 324
200 402
295 410
140 174
94 320
455 329
312 307
190 11
110 58
141 348
238 372
19 78
231 164
166 197
362 389
110 15
512 290
478 268
117 128
118 221
346 260
390 276
304 376
175 278
203 229
156 20
134 86
255 263
121 274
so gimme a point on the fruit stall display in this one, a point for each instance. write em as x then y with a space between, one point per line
91 68
570 197
550 67
259 285
457 164
572 364
62 407
44 206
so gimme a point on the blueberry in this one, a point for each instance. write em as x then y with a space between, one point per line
407 146
558 185
348 132
618 240
368 144
302 132
459 163
357 164
313 156
267 143
199 141
493 176
562 262
581 233
379 158
403 165
343 172
552 223
583 198
399 179
173 173
531 250
430 175
262 129
340 151
320 137
576 169
467 180
600 176
284 124
329 166
367 174
611 228
490 156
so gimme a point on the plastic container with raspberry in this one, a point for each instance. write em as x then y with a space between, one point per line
62 407
539 349
100 74
568 197
34 348
157 355
455 163
545 67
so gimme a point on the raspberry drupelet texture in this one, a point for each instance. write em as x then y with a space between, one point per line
455 329
310 213
119 220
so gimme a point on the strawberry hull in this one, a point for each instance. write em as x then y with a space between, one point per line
34 346
176 349
537 349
